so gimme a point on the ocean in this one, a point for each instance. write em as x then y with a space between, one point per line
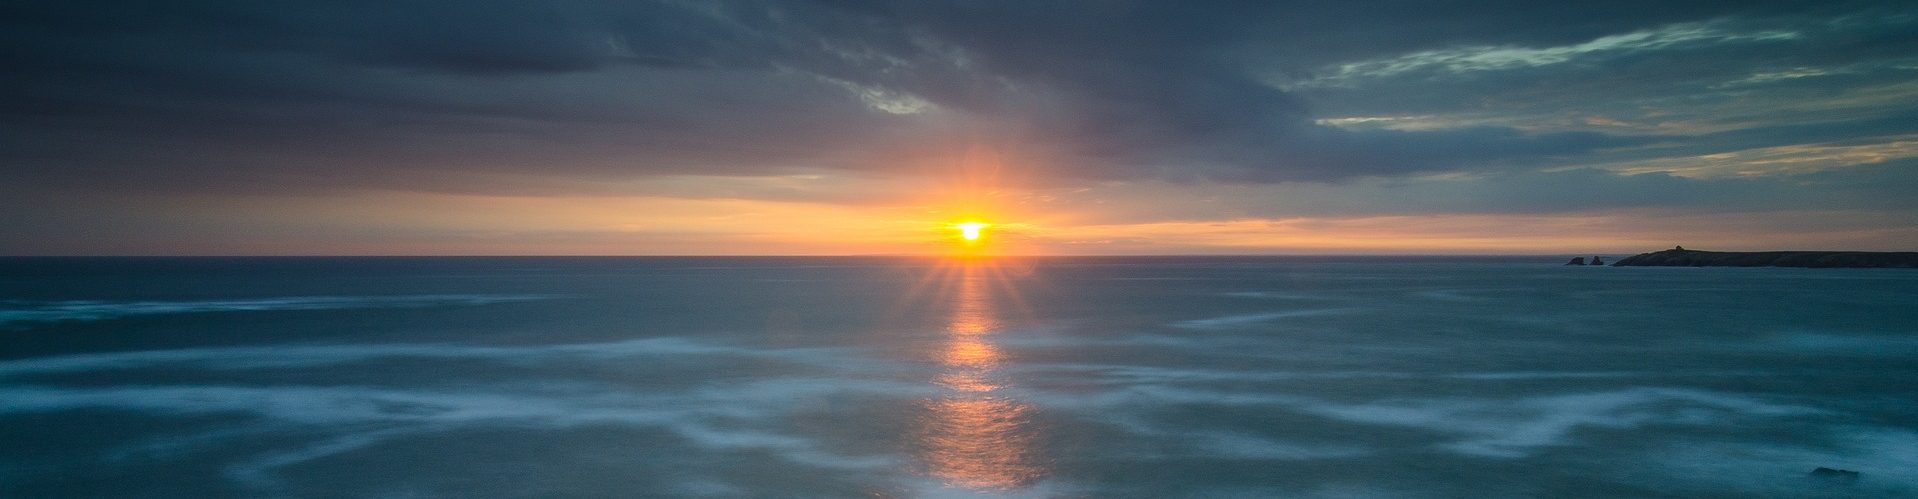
1480 377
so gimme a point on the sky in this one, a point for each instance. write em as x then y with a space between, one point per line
477 127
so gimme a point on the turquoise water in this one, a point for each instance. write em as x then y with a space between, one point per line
885 377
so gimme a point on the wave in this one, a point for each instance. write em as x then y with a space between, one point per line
1502 428
734 418
1245 319
87 310
304 356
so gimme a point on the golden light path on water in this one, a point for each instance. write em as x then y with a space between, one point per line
976 436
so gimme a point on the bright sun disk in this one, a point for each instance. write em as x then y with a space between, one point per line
970 230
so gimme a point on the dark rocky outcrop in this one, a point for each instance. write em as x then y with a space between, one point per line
1680 257
1597 261
1577 260
1834 475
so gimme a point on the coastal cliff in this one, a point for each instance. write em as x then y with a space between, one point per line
1812 259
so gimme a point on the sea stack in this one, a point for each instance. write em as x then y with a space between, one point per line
1597 261
1577 260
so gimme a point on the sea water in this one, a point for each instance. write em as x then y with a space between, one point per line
904 377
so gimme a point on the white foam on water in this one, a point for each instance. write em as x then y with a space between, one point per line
55 311
1494 428
358 417
1238 320
1249 446
1517 427
1274 295
302 356
1844 344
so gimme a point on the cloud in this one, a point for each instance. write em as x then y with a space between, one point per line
1469 59
120 104
429 95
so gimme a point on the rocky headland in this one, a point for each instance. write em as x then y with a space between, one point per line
1681 257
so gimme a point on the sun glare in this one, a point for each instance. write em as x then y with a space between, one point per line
971 231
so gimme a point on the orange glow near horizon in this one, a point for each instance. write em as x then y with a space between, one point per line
973 192
972 239
442 224
921 217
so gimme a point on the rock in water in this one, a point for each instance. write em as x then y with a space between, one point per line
1577 260
1834 475
1597 261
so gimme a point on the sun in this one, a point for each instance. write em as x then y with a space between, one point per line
971 231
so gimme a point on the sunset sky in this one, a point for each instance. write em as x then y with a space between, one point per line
851 127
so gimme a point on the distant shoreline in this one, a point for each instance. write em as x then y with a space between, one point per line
1679 257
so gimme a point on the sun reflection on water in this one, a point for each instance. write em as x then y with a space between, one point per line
976 436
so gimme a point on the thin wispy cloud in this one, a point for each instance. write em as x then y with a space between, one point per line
1459 61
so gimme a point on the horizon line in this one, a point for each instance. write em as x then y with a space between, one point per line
820 255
